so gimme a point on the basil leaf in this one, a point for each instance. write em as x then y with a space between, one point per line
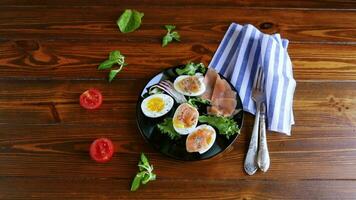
129 20
166 39
144 159
146 178
153 177
170 35
175 35
140 166
115 55
191 68
106 64
137 181
113 73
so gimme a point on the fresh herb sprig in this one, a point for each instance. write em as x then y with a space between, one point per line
196 101
115 57
129 20
170 36
226 125
191 68
145 173
166 127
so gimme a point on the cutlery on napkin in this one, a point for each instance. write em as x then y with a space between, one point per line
240 53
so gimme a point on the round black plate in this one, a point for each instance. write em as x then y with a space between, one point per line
176 149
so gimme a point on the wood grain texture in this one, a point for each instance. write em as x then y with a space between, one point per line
45 188
49 51
323 136
62 60
303 4
91 23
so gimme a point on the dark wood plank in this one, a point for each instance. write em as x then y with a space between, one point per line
44 188
208 26
61 60
62 151
333 4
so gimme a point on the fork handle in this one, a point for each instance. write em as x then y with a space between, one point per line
251 157
263 159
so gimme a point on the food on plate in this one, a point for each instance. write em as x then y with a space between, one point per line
157 105
201 139
191 69
226 126
209 81
168 87
166 127
190 85
91 99
197 101
220 93
185 119
102 150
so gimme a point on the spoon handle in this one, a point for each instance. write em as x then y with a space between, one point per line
251 157
263 159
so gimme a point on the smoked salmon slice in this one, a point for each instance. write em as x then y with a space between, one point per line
220 93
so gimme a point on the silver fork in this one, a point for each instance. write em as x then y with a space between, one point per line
258 96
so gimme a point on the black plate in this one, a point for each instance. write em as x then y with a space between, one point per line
176 149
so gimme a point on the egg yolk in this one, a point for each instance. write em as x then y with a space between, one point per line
155 104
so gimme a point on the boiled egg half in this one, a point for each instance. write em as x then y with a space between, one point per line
185 119
201 139
190 85
157 105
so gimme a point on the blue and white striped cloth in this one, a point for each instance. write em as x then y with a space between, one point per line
241 51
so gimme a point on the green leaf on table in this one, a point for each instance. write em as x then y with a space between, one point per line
129 20
106 64
137 181
170 36
115 57
166 39
144 159
113 73
166 127
145 173
175 35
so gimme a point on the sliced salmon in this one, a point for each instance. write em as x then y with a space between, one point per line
219 92
209 81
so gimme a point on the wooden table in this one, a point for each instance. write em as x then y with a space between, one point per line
49 51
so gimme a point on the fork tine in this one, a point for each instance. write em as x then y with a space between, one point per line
255 82
263 81
260 80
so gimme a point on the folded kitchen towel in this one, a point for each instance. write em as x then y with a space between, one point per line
242 50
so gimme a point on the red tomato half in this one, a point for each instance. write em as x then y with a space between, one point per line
91 99
102 150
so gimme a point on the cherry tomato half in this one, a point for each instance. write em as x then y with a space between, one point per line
91 99
102 150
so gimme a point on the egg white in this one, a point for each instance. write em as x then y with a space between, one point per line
168 104
185 130
205 126
201 89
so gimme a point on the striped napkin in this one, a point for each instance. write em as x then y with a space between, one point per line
241 51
